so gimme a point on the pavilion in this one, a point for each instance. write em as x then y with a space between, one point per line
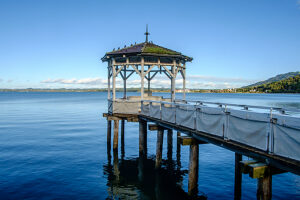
147 60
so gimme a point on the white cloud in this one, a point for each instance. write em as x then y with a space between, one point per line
9 81
220 79
1 80
160 81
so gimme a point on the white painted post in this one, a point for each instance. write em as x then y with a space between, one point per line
125 82
183 84
108 80
142 78
173 81
114 79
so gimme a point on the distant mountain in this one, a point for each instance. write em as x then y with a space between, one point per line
279 77
287 85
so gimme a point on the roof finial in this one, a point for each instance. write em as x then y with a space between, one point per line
147 33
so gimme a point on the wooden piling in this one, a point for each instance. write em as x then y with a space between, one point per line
178 151
116 134
159 145
143 137
170 144
108 142
116 165
264 186
193 170
238 177
122 139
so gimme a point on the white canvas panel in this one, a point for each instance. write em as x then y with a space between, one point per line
249 132
126 107
168 114
155 111
288 121
244 114
145 109
286 142
185 117
211 123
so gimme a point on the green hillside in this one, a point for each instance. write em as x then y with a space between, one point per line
279 77
288 85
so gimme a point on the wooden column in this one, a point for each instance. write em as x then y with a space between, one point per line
170 144
142 78
122 139
114 79
264 186
108 144
193 170
108 81
178 151
173 81
116 134
183 81
149 76
238 177
143 137
124 96
159 145
116 165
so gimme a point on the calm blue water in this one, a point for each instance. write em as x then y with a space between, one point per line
53 146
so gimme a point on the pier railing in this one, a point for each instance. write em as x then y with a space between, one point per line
272 130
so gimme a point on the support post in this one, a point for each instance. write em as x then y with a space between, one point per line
116 134
108 144
264 186
116 165
124 96
143 138
193 170
170 144
183 83
114 79
173 81
122 138
178 150
108 80
238 177
159 145
142 78
149 79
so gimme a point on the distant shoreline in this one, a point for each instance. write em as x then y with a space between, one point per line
138 90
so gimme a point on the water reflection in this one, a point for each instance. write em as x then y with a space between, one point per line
137 178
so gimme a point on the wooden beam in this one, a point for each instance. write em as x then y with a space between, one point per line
187 140
137 71
154 127
245 165
170 73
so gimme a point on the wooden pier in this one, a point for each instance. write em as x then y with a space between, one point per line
262 166
237 128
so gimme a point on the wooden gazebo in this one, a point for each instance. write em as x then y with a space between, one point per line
146 59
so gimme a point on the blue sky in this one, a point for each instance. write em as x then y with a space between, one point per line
59 43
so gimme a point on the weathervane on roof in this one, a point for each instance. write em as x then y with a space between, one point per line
147 33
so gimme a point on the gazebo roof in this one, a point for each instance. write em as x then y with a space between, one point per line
145 49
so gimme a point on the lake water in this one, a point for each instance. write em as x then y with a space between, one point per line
53 146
